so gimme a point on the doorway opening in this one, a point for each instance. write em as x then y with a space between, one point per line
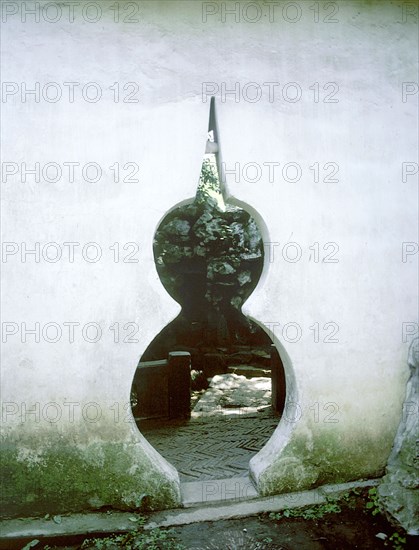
210 388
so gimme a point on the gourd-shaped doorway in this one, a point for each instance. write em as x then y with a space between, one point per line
210 388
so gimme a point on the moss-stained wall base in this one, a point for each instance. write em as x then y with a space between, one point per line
61 478
322 457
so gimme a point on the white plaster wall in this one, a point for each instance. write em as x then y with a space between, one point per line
369 213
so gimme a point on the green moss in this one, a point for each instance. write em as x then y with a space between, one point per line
62 478
327 458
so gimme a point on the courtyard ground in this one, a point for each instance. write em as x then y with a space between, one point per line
352 521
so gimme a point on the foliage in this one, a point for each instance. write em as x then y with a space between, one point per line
397 541
350 499
373 502
155 539
208 181
318 511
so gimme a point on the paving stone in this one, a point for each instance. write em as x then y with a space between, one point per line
206 448
217 491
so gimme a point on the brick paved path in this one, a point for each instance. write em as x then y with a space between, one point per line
211 447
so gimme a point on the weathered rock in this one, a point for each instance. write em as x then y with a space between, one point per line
244 277
222 247
174 253
398 492
236 302
177 227
219 267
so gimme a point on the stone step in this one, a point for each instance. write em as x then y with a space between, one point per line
215 491
249 371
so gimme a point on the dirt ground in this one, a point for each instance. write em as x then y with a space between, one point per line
352 527
336 531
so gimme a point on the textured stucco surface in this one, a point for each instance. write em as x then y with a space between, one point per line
369 293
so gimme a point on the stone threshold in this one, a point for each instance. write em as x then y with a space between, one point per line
228 508
216 491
